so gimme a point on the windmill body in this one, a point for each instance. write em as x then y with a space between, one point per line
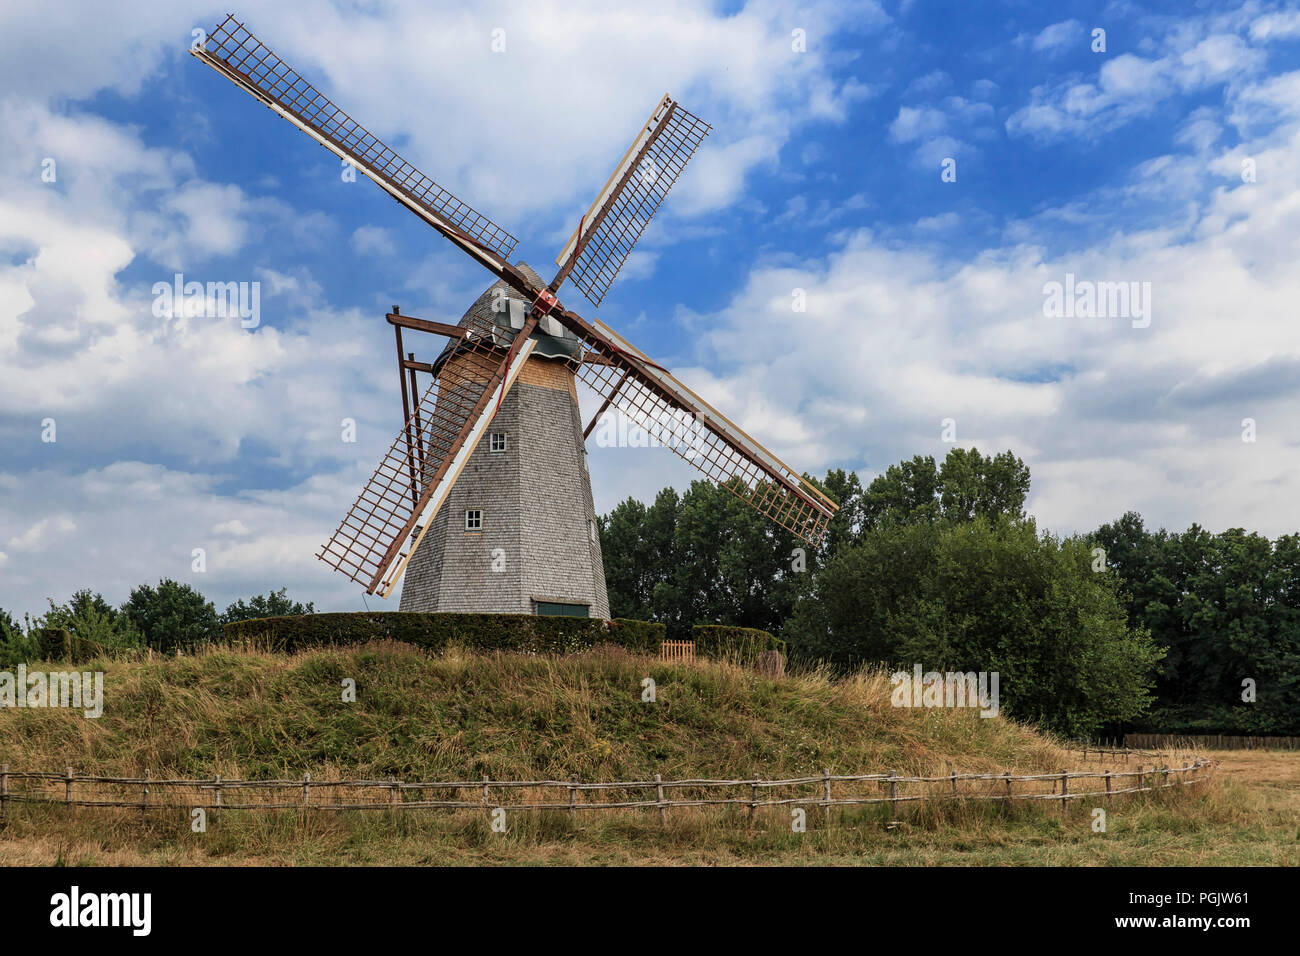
517 533
483 501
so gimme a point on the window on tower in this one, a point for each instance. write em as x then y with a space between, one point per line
497 441
473 521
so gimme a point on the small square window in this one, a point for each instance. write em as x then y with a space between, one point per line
497 441
473 521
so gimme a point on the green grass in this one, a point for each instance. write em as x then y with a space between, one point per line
463 715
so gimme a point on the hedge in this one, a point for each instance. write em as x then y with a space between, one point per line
60 644
642 636
529 633
723 640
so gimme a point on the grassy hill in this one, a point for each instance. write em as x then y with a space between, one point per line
466 714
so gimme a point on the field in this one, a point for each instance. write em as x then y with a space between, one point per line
462 715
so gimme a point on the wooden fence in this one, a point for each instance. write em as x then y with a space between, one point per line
1212 742
677 651
147 794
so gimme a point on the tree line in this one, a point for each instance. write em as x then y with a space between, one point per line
937 564
165 618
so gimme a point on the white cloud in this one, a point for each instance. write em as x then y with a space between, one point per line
1058 36
1128 86
43 533
1281 25
373 241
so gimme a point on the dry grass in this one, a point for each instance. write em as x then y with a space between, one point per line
462 715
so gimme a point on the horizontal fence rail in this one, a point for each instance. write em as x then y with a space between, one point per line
1213 741
152 794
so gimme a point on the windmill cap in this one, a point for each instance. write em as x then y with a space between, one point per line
493 306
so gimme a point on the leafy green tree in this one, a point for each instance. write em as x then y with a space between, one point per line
172 616
967 485
274 604
16 644
95 622
630 568
844 488
907 493
972 485
986 596
1228 608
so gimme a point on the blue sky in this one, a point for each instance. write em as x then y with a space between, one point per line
823 174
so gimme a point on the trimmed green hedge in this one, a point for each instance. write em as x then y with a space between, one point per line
60 644
723 640
528 633
641 636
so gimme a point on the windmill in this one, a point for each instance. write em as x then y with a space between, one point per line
509 372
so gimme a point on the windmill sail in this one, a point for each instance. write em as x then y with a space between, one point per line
603 240
414 477
628 381
240 57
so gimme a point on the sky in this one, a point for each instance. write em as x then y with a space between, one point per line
865 261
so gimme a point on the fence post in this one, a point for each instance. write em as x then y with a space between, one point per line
67 788
1107 788
4 790
144 796
1065 787
573 797
659 796
826 792
485 790
1008 778
306 789
954 780
893 793
753 799
216 785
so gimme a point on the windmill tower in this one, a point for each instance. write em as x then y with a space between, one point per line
517 533
483 499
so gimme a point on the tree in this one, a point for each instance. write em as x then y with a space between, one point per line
274 604
171 616
907 493
1228 608
16 646
971 485
844 488
968 485
91 619
990 596
629 566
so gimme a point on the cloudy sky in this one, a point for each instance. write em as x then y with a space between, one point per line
917 173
